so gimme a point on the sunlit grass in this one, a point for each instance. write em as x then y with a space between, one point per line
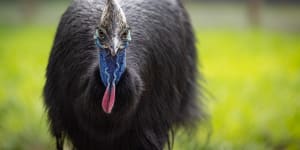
252 75
255 78
23 56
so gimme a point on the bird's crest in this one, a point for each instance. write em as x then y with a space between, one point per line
113 17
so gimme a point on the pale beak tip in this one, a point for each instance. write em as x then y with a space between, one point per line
114 52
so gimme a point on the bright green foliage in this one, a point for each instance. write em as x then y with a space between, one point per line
252 79
23 57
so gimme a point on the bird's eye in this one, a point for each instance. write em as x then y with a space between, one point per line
101 35
124 36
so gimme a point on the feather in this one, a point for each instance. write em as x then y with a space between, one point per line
154 84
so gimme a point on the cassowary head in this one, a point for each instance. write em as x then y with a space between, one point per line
112 37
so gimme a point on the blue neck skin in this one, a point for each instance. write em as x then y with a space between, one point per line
111 67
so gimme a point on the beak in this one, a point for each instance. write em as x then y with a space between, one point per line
114 46
113 51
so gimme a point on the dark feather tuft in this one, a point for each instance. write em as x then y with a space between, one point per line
155 95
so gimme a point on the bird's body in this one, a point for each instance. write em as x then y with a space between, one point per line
156 93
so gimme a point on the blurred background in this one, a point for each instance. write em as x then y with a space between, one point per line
249 55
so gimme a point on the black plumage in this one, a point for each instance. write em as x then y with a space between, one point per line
155 95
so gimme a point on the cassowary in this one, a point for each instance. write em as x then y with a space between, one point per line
121 75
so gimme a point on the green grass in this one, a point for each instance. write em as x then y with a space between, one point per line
23 58
252 75
255 78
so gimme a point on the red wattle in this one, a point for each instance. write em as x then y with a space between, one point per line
112 98
108 99
105 100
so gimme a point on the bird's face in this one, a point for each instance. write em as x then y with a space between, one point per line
112 37
113 41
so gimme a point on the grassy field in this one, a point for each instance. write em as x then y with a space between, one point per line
252 82
23 56
255 79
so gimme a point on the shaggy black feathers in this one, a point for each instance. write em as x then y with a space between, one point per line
156 94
